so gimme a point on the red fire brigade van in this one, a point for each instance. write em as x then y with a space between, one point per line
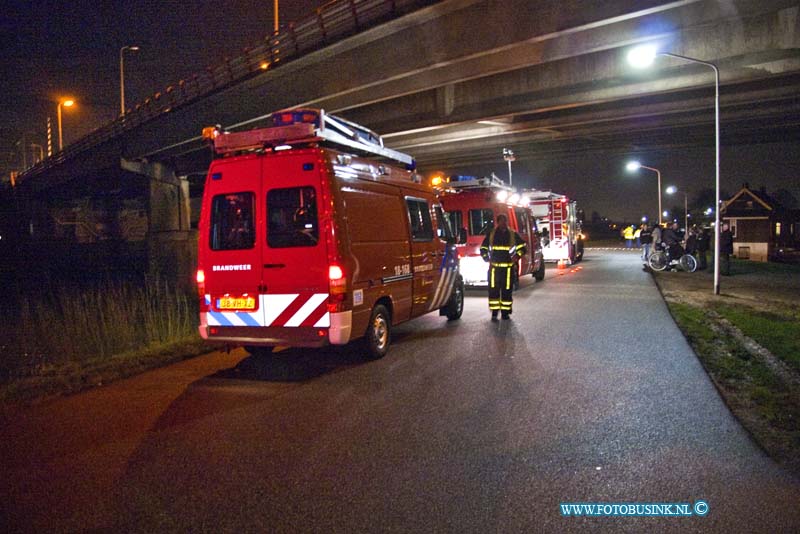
313 233
556 217
472 204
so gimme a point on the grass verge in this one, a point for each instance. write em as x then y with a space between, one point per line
765 400
65 340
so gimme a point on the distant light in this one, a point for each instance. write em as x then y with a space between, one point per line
709 211
436 180
264 65
642 56
633 166
68 103
644 219
134 48
665 214
672 190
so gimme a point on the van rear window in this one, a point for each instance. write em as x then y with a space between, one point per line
480 221
292 217
232 221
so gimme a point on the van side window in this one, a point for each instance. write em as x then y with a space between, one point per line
443 230
292 217
480 221
232 221
420 218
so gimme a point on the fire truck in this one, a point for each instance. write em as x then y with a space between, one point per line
312 233
472 204
557 221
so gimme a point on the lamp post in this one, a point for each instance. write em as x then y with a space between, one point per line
671 190
67 103
508 155
643 56
122 76
276 15
634 166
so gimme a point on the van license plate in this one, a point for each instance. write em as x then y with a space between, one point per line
228 302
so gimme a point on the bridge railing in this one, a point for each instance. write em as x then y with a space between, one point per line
331 22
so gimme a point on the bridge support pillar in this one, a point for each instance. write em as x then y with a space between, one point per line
171 242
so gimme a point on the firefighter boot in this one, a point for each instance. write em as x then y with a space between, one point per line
494 315
506 315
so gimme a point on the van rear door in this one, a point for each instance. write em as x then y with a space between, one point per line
233 251
294 260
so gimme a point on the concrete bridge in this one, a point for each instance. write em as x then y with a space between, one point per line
450 82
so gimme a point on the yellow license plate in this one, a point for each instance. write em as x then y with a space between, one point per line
244 302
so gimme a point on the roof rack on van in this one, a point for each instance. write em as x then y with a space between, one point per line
472 182
301 126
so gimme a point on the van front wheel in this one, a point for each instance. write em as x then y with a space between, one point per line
378 335
455 306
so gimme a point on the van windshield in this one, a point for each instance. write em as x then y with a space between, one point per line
480 221
232 221
292 217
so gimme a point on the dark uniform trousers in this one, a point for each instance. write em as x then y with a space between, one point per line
499 249
500 290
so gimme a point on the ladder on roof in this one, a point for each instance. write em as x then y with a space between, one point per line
301 126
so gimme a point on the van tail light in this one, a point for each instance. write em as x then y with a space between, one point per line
337 285
200 277
335 273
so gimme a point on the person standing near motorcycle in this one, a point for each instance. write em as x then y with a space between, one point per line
725 250
672 241
646 237
702 247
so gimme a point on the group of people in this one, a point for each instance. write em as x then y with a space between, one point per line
696 242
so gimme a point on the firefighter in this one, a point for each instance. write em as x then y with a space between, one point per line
501 248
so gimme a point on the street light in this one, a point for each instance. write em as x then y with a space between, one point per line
508 155
122 76
634 166
643 56
67 103
671 190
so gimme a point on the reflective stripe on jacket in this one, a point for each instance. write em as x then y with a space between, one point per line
500 248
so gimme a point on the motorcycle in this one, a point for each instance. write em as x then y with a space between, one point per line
661 259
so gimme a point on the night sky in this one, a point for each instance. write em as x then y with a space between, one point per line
57 49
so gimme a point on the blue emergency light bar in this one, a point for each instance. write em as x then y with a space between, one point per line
296 116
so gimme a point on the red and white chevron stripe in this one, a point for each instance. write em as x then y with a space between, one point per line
288 310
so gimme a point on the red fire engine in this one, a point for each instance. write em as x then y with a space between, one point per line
472 204
557 221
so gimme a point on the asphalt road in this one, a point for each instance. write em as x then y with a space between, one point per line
589 394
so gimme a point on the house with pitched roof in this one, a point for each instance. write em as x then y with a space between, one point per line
760 225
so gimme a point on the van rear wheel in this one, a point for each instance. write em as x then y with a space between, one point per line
378 335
